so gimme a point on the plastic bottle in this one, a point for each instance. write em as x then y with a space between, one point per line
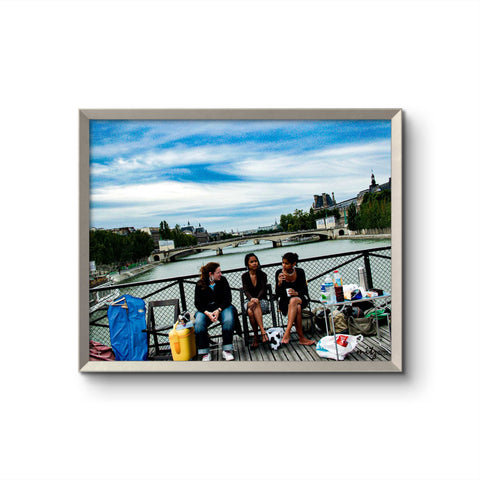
337 279
323 293
329 289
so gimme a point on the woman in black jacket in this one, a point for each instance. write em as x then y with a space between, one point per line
292 291
254 284
213 300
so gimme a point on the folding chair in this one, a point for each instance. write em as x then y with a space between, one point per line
156 331
247 329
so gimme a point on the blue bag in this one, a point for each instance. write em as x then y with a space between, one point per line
126 318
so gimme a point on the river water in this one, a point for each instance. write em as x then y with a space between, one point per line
233 257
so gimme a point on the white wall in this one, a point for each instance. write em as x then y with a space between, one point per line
57 57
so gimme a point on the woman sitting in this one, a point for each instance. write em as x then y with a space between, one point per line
291 288
255 288
213 300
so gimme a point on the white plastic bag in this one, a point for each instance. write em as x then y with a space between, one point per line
345 344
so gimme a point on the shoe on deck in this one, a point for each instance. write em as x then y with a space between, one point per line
227 355
207 357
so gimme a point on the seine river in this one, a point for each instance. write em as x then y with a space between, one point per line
234 257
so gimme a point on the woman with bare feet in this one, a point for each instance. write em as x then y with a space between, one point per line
255 288
291 288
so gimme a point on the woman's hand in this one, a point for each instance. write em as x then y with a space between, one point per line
216 315
252 304
212 316
281 278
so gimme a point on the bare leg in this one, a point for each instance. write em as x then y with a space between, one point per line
302 339
253 322
259 319
295 303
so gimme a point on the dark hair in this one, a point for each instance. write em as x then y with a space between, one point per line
248 256
290 257
205 272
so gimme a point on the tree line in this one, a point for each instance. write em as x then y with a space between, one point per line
375 211
108 248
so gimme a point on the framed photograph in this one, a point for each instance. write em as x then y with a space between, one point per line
240 240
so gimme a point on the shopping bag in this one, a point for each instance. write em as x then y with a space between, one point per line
344 345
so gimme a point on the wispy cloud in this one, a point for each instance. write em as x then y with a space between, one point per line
227 174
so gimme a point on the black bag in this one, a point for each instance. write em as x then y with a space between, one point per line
307 320
362 326
319 317
238 326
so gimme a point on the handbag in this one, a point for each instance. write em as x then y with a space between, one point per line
265 306
362 326
339 321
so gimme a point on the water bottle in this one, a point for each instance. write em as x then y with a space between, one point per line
323 293
329 289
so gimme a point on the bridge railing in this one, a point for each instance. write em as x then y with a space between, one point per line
376 261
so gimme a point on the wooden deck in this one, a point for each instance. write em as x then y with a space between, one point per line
368 350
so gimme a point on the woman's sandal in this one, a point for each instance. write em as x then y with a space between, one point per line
254 345
264 337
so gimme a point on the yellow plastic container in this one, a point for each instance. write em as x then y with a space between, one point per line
182 343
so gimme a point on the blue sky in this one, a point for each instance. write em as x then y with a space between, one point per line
227 175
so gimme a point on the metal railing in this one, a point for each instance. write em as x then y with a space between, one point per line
375 261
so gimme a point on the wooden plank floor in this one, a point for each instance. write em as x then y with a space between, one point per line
368 350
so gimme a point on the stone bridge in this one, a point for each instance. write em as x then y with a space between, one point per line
218 246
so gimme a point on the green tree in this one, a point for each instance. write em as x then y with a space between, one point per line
375 211
164 231
352 217
108 248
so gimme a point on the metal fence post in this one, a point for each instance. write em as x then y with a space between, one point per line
182 295
368 270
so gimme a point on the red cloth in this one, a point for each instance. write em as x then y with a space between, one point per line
99 352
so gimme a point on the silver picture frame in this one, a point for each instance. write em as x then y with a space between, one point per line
394 115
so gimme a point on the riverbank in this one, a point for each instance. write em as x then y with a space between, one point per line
371 236
133 272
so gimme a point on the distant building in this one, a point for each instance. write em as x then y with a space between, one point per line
188 229
373 188
325 202
269 228
199 232
165 245
153 232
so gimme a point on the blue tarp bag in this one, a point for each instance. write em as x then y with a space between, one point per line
126 318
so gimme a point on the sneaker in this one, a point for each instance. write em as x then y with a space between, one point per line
227 355
206 358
